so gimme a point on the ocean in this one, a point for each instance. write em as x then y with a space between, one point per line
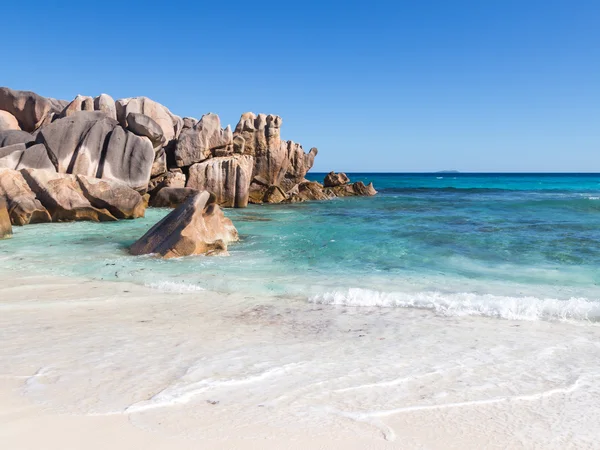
511 246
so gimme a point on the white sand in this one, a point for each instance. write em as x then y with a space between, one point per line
100 365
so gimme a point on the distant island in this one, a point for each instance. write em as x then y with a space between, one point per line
448 171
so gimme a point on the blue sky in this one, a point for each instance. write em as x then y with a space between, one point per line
487 85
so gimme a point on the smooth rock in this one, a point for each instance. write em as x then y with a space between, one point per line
115 197
79 103
5 225
170 197
19 156
106 104
228 178
8 121
10 137
357 189
143 125
62 197
189 122
30 109
333 179
169 123
23 206
200 142
198 226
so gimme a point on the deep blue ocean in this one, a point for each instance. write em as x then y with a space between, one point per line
523 246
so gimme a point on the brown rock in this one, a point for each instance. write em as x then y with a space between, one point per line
159 166
357 189
169 123
228 178
106 104
62 197
274 194
117 198
204 140
198 226
5 225
30 109
309 190
169 197
333 179
8 121
79 103
23 207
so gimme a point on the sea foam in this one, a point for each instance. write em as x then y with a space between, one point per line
175 287
469 304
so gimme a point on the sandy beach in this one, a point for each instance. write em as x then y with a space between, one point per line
90 364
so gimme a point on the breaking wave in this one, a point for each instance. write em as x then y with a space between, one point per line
468 304
175 287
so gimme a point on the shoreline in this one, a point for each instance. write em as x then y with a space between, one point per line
81 354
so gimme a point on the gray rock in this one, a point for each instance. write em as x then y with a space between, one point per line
170 124
228 178
10 137
198 226
143 125
79 103
106 104
19 156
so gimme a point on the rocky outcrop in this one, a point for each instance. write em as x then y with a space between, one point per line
333 179
309 190
169 123
106 104
5 225
118 199
143 125
20 156
198 226
228 178
79 103
204 140
91 144
8 121
62 197
23 206
30 110
170 197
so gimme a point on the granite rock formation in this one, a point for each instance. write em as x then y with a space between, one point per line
5 225
23 206
333 179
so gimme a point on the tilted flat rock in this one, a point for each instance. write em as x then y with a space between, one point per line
169 197
198 226
170 124
10 137
5 225
8 121
29 108
333 179
115 197
23 206
62 197
106 104
228 178
20 156
92 144
200 142
143 125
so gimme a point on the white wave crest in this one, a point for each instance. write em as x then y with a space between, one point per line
468 304
174 287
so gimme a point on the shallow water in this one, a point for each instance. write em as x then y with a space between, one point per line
509 246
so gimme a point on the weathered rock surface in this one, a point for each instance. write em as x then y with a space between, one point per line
5 225
91 144
8 121
30 109
170 124
169 197
23 206
20 156
143 125
79 103
274 194
62 197
309 190
159 166
169 179
10 137
228 178
198 226
203 141
358 189
333 179
106 104
189 122
117 198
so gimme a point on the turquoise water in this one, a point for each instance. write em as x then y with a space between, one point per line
513 246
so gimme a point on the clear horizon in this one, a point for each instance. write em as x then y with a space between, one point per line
381 87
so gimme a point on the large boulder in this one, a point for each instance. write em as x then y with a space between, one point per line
62 197
115 197
169 197
198 226
106 104
23 206
189 122
309 190
8 121
228 178
143 125
358 189
10 137
170 124
30 109
92 144
202 141
20 156
79 103
5 225
333 179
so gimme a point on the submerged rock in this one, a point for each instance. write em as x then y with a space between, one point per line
5 225
198 226
23 206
